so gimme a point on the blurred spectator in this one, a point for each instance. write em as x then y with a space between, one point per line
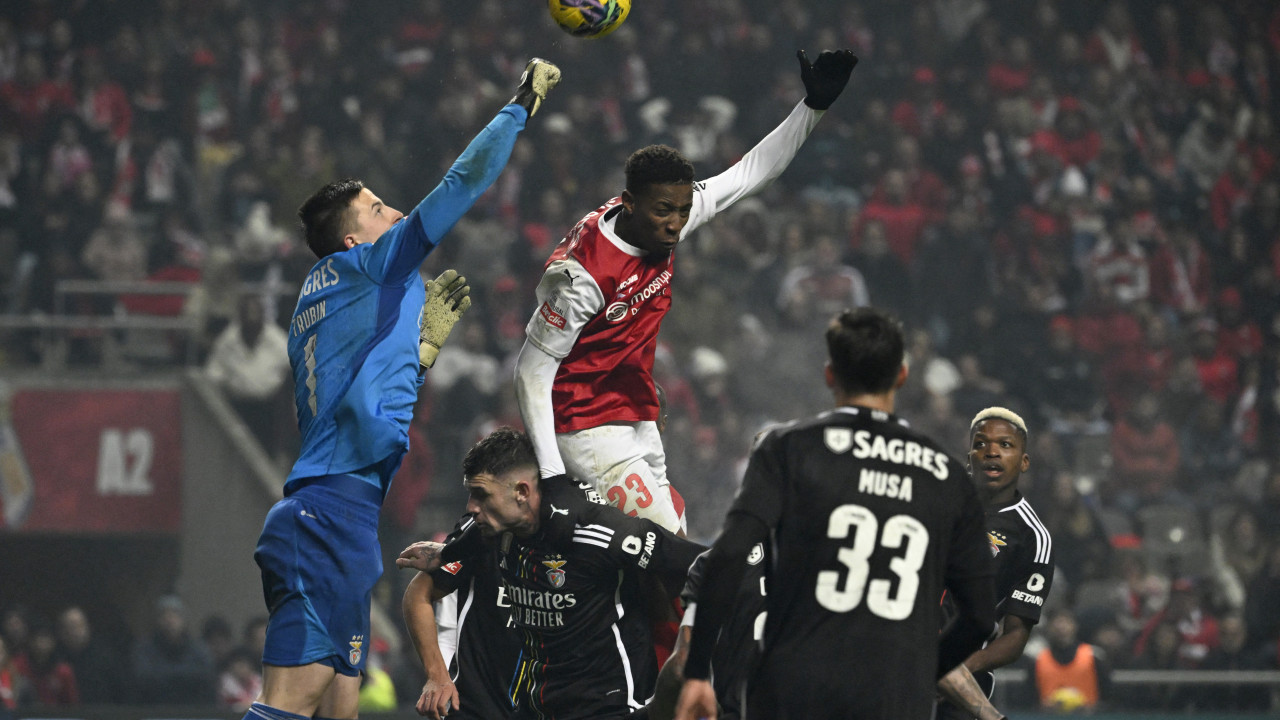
1083 550
814 291
53 679
888 285
1070 676
1218 371
216 635
1262 598
1196 626
99 674
116 251
29 100
171 666
904 220
15 686
1238 336
104 106
1162 650
1145 453
250 362
213 303
15 628
1181 274
240 681
1065 387
1235 654
1212 451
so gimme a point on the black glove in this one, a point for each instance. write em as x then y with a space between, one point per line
826 76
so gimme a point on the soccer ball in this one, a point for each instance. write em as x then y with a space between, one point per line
589 18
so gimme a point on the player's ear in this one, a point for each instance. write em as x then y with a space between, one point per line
628 201
903 372
1025 464
349 241
829 375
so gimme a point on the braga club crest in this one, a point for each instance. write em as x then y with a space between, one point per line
554 574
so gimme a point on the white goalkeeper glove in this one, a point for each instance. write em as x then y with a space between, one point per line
448 297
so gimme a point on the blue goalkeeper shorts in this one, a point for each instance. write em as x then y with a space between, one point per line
320 558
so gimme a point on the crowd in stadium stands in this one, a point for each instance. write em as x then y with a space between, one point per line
1074 206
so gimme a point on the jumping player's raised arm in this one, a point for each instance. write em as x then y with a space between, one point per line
823 81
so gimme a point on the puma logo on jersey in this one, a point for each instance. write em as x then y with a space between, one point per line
557 511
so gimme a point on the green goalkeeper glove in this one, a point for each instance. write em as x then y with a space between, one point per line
448 297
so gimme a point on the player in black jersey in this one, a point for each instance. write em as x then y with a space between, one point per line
1023 553
476 651
736 649
570 566
867 522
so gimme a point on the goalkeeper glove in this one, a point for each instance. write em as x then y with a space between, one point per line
538 79
826 76
447 299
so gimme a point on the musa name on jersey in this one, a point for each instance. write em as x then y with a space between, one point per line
601 300
353 339
486 647
870 522
740 637
576 602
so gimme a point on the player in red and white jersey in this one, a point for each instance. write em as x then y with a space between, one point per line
584 376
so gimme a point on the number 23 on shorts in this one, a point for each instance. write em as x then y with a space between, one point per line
618 495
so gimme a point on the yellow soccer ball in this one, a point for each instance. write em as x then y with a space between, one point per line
589 18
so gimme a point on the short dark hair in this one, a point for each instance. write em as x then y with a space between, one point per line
504 450
865 348
657 165
327 216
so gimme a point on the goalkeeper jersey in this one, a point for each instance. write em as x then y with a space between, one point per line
601 301
353 339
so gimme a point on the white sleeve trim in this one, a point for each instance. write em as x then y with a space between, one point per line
759 167
535 374
689 612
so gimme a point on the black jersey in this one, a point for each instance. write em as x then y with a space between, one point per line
1023 555
486 646
739 643
869 522
577 604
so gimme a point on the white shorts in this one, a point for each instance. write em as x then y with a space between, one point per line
626 464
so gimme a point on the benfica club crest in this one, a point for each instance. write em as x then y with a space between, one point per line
554 574
357 641
997 542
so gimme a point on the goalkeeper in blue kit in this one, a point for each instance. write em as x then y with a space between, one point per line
364 327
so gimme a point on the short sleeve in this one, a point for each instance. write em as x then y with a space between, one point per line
568 298
762 493
1033 580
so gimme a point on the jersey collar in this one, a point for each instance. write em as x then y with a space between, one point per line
878 415
607 225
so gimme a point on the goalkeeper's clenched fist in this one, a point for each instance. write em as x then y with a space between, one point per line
448 297
826 76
